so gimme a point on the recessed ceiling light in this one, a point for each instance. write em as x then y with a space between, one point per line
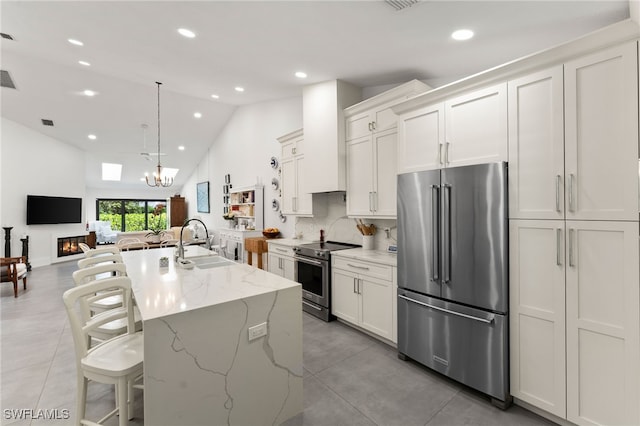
181 147
197 114
89 93
76 42
301 74
215 96
462 34
92 137
85 63
111 171
239 89
187 33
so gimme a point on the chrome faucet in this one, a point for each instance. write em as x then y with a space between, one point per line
207 243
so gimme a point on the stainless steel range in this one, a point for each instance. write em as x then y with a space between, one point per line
313 271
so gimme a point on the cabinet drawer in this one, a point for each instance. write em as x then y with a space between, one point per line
281 250
364 268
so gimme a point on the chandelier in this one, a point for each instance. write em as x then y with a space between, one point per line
157 180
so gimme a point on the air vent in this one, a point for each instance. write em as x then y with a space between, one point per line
401 4
47 122
6 80
7 36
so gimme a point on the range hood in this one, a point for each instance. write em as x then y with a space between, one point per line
323 107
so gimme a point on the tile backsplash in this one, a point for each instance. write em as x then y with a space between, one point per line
338 227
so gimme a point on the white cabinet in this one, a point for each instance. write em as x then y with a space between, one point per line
600 317
536 146
280 260
601 135
294 196
371 178
463 130
371 152
363 294
537 313
585 166
603 323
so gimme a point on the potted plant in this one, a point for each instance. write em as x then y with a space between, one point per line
231 218
155 235
156 227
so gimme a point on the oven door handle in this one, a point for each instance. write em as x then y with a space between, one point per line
311 261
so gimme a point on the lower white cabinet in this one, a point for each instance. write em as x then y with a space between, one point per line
575 319
363 294
280 261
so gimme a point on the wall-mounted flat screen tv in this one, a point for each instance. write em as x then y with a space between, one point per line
42 210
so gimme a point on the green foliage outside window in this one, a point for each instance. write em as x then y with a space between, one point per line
137 219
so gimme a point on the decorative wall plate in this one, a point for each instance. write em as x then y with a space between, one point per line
283 218
275 205
274 162
275 184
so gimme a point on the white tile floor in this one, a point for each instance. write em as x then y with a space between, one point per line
349 378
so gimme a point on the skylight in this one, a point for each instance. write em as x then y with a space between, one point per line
111 171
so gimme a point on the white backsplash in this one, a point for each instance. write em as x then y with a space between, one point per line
338 227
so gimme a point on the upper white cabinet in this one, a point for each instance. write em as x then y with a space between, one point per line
601 135
371 151
324 129
536 146
584 166
295 198
463 130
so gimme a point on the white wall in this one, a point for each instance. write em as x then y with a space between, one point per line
243 150
27 168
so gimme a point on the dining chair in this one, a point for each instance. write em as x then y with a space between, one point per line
117 361
112 299
112 249
95 260
169 243
136 245
14 269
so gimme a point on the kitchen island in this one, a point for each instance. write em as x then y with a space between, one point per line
222 344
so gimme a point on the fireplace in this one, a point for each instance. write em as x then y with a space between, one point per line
68 246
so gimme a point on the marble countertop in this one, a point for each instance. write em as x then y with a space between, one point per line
161 292
375 256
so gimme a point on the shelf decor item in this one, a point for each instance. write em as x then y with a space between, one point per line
202 191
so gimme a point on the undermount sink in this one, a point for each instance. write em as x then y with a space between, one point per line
207 262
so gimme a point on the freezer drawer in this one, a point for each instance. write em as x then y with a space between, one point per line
468 345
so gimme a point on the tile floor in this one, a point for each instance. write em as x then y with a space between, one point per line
349 378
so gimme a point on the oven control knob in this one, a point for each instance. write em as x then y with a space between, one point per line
319 254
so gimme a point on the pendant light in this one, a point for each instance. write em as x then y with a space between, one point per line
157 180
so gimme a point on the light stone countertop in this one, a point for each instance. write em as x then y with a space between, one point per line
288 242
161 292
374 256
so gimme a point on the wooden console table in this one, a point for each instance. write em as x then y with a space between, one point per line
257 245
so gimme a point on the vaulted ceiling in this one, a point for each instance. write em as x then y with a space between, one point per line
257 45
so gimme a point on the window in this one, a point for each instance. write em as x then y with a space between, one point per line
133 215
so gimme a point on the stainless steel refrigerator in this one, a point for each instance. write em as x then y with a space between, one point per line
453 274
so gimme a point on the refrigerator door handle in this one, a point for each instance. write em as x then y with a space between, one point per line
446 233
448 311
435 248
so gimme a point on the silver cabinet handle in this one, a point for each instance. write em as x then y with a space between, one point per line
558 247
435 208
558 180
571 196
440 154
446 238
281 250
293 150
373 125
294 202
359 286
370 129
446 154
358 266
571 248
371 201
354 286
448 311
375 201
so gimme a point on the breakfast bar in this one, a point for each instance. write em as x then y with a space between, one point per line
222 341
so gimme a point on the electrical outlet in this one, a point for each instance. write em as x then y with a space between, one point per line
257 331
